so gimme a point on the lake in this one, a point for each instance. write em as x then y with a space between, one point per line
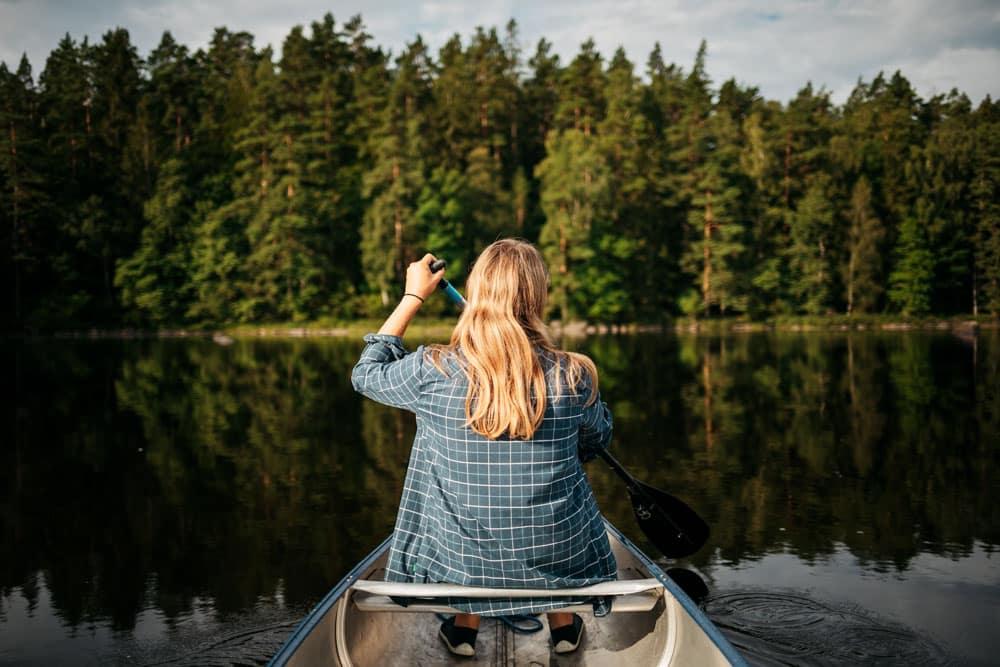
177 502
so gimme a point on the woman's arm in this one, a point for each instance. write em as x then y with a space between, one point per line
386 372
595 429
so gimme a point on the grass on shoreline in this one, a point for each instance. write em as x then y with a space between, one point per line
440 328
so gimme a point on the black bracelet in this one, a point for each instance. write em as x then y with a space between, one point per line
414 296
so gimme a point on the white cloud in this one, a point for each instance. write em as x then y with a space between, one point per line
777 47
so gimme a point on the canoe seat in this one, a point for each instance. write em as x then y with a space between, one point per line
634 595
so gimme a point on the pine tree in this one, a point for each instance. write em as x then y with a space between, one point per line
581 92
221 241
863 270
24 204
283 269
633 240
153 282
809 256
108 213
911 280
396 178
985 196
443 215
708 185
537 119
330 174
574 184
942 176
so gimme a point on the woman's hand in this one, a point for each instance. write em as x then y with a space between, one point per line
419 278
420 283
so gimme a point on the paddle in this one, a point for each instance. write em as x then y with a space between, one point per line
673 527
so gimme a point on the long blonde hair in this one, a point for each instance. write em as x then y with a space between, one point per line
498 334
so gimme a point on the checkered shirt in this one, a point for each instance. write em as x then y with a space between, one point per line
502 513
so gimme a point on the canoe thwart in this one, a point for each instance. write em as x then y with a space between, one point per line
407 590
622 604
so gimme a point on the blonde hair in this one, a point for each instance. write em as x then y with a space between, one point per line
497 334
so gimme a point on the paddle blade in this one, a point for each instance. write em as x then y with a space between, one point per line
690 582
673 527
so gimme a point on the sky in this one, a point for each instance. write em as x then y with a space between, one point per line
777 46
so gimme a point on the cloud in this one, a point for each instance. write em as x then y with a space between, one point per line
828 42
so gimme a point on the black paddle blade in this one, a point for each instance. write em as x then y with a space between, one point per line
672 526
690 582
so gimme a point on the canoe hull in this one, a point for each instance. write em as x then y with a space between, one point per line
673 632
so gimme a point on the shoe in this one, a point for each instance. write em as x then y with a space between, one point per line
460 641
567 637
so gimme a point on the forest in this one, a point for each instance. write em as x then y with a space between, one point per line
229 185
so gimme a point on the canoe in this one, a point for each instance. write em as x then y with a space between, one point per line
652 622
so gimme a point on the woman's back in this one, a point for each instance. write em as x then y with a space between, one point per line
495 493
501 512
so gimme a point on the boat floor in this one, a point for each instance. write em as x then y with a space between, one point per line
605 641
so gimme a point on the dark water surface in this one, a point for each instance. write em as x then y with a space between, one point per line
178 502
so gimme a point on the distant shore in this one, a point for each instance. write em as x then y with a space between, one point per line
441 328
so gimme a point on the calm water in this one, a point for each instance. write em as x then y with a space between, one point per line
178 502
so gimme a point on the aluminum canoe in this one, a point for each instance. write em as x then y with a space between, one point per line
653 623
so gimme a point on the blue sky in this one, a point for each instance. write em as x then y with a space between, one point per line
777 46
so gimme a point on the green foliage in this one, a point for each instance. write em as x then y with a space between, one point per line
911 281
226 186
574 186
863 270
153 282
808 254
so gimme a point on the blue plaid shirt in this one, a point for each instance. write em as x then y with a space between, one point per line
503 513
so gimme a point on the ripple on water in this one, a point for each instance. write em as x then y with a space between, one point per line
239 642
775 628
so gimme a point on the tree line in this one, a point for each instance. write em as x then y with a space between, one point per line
229 185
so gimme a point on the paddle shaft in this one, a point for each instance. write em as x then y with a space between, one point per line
449 291
672 526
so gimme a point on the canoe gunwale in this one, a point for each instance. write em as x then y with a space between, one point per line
689 605
323 607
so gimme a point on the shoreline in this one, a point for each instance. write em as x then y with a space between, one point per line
959 326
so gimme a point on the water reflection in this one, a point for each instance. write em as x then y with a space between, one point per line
143 483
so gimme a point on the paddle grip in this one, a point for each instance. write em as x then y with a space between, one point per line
450 292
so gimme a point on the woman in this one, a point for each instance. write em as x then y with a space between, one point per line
495 493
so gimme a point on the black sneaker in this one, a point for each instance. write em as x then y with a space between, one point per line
568 637
459 640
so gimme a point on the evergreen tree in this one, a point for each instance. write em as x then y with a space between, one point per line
24 204
114 68
153 282
443 214
911 281
942 177
985 198
581 102
538 118
574 186
863 269
809 256
633 266
331 176
396 178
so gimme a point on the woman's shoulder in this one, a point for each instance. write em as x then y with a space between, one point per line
569 372
444 360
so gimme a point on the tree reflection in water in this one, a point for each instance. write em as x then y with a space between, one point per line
154 475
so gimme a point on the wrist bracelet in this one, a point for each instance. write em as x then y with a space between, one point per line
414 296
